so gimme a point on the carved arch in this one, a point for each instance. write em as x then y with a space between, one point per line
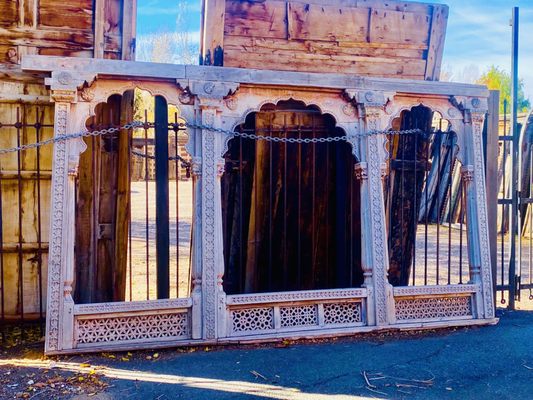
444 107
342 111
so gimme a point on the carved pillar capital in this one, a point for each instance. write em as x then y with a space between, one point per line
361 171
196 167
467 173
64 85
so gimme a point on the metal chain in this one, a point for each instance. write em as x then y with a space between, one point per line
182 125
63 138
277 139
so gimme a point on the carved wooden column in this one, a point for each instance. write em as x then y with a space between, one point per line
361 173
196 254
375 252
210 97
60 304
477 224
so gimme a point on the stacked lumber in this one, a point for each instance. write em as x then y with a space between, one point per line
375 38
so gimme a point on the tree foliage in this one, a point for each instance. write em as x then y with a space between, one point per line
495 78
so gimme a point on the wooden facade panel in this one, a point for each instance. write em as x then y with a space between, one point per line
75 14
8 13
367 37
289 61
399 27
316 22
29 8
78 40
348 49
266 19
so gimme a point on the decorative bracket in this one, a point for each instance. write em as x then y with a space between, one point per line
209 93
64 85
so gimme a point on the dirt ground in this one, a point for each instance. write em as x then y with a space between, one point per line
493 362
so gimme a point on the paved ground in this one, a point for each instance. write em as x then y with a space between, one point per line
476 363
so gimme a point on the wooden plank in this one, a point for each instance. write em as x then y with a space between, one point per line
122 211
112 29
84 285
129 27
258 19
66 14
437 36
99 28
322 22
72 39
52 51
289 61
399 27
30 13
213 22
9 13
265 45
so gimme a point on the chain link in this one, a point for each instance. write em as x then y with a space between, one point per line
183 125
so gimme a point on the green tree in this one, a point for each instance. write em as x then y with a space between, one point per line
495 78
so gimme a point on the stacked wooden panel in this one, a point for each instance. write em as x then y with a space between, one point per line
375 38
77 28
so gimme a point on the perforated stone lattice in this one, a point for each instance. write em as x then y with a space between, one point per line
342 313
252 319
298 316
137 327
431 308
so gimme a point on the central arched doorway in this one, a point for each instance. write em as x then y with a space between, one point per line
291 212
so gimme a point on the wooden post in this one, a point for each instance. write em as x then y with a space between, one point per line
99 21
212 29
161 198
129 26
491 171
122 209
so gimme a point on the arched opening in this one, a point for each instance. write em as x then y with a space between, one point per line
133 204
291 211
425 205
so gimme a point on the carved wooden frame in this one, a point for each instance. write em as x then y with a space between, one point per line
222 98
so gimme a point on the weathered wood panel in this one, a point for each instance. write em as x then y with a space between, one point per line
375 38
46 27
25 184
75 14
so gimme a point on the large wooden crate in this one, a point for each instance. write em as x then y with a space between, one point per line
364 37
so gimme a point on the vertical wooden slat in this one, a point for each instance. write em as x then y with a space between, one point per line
213 27
99 17
122 211
129 27
437 35
29 18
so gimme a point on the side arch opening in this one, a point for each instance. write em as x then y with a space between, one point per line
425 202
291 211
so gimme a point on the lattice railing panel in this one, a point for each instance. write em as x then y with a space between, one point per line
135 327
252 319
298 316
342 313
432 308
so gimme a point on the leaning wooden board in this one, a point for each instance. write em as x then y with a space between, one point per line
372 38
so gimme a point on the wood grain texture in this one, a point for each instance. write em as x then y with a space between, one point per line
398 39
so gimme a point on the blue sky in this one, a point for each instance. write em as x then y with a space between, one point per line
478 33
